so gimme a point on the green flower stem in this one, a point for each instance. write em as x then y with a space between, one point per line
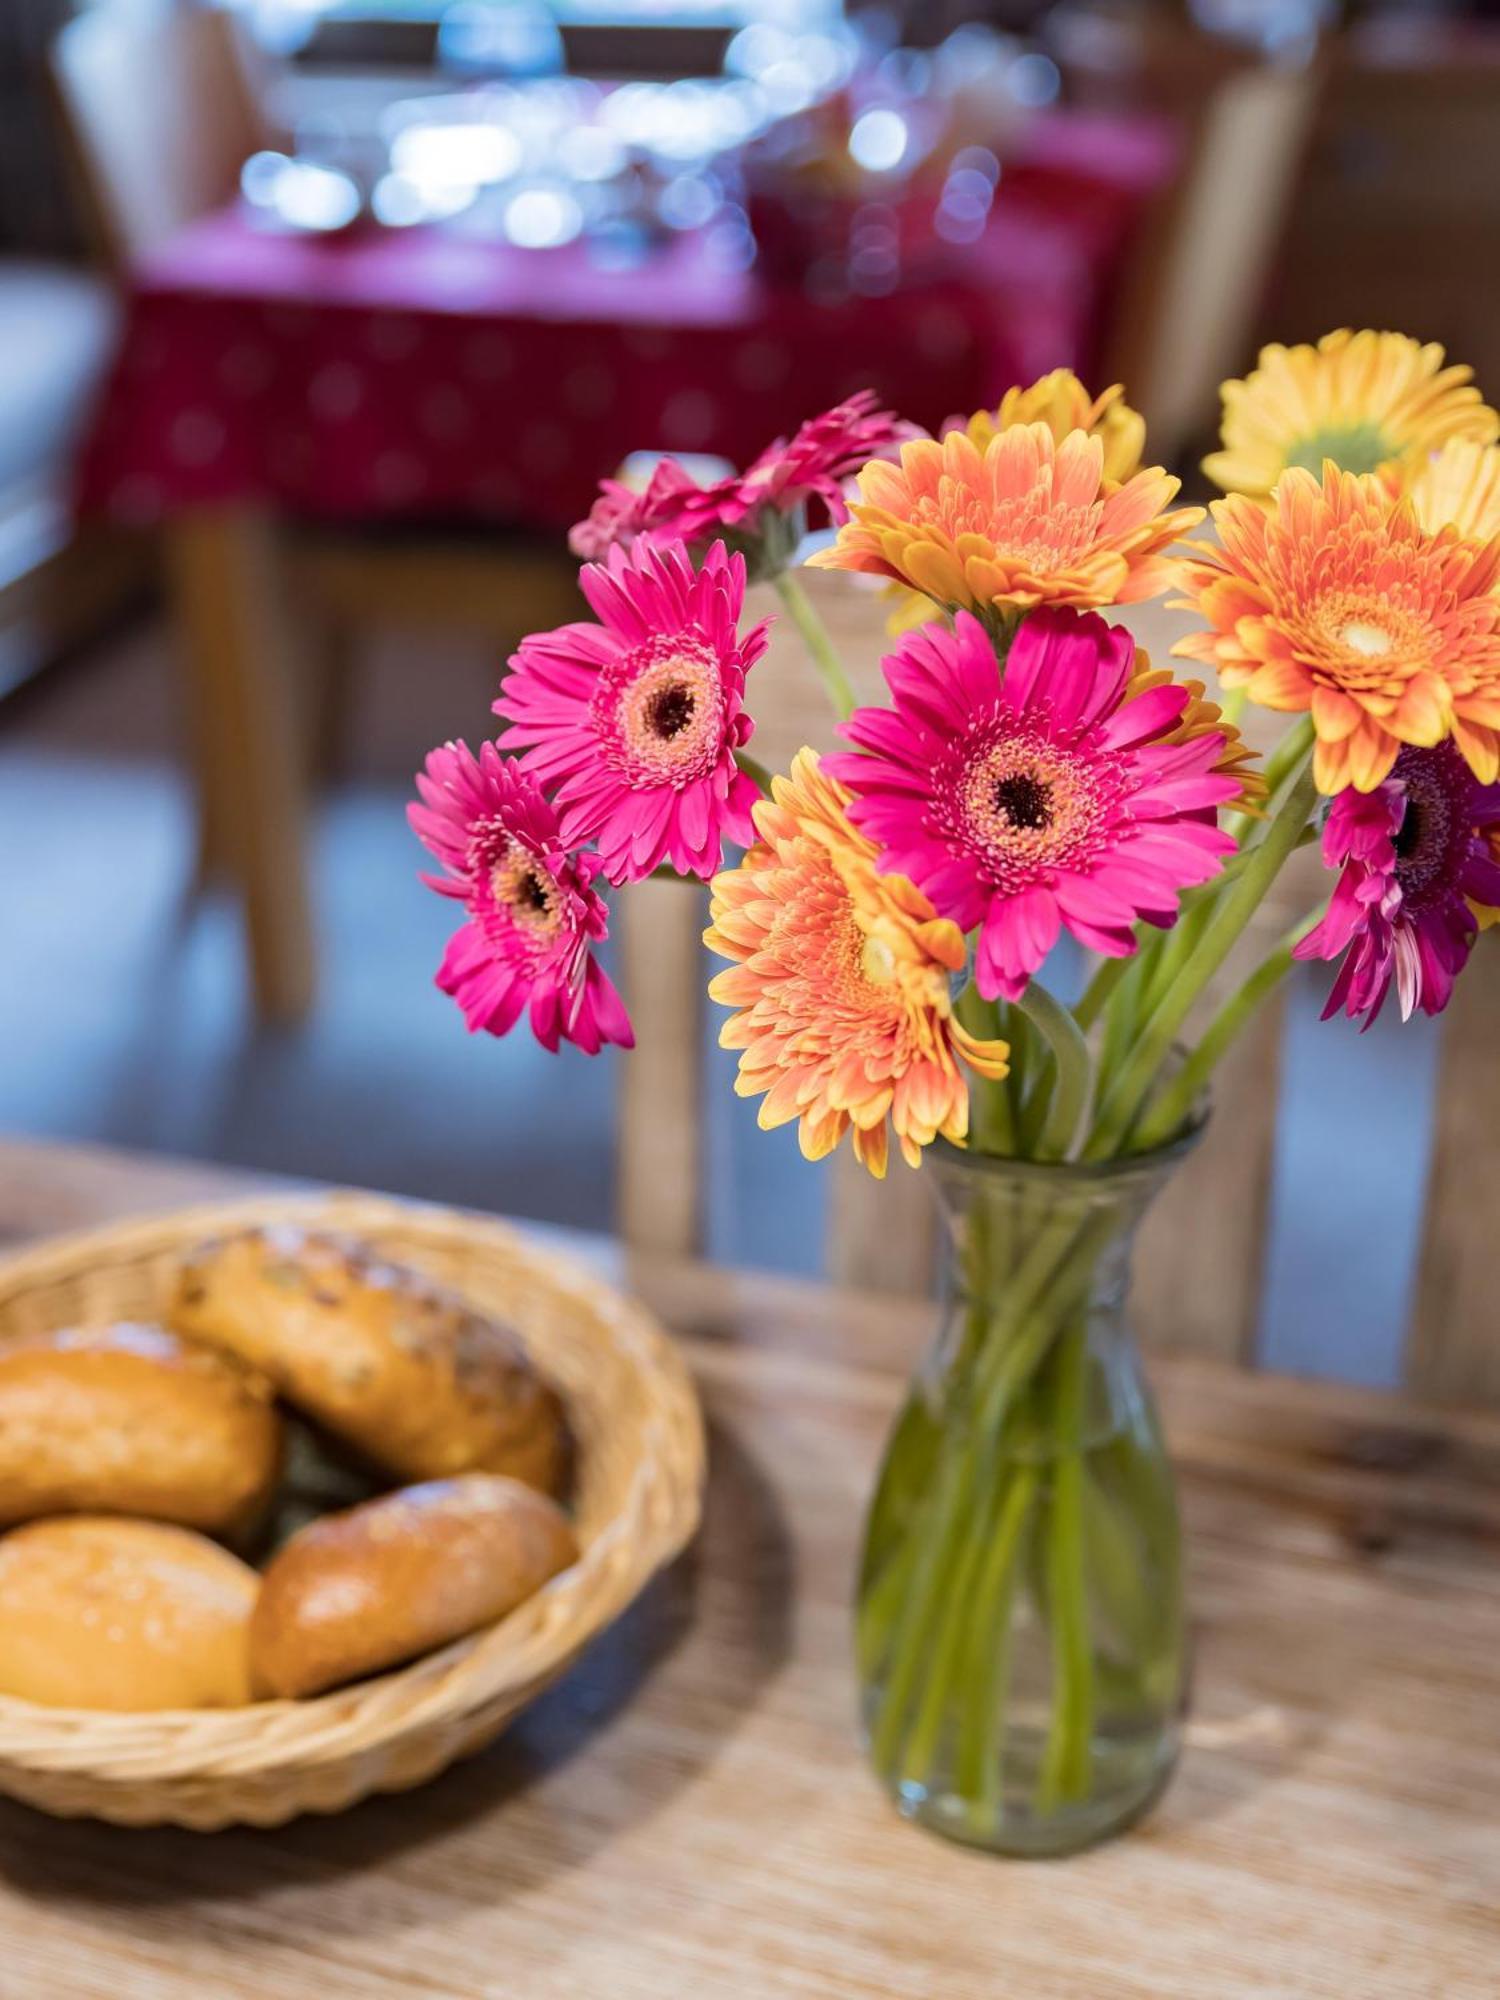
1125 1011
962 1568
992 1126
1074 1069
1066 1761
1014 1344
981 1726
1177 945
955 1552
1288 756
933 1576
1100 990
1138 1073
753 768
1198 908
815 637
1170 1110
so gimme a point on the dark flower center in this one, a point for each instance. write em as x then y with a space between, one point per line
1408 836
1026 801
530 893
670 711
522 892
1437 824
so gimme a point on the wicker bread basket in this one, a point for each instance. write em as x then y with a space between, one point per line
640 1472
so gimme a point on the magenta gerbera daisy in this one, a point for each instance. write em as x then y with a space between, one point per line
670 507
1045 796
749 507
532 911
814 463
632 724
1415 855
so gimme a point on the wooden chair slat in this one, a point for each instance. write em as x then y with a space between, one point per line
660 1148
882 1235
1454 1349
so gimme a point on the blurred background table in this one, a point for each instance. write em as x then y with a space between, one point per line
423 373
687 1812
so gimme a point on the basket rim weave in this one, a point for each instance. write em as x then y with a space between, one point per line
495 1668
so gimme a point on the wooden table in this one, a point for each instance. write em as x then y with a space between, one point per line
688 1814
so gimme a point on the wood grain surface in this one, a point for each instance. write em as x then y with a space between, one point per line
688 1812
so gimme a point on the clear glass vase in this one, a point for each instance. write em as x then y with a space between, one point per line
1020 1622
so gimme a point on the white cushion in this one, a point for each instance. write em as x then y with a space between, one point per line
57 328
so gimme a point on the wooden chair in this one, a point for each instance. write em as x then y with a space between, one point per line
158 118
159 115
1189 299
1201 1270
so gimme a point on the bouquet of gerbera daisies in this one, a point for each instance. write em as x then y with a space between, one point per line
891 915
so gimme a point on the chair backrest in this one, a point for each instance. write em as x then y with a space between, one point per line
158 116
1201 1272
1190 297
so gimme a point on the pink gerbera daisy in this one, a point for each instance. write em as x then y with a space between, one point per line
1041 797
633 723
752 506
816 461
532 912
670 507
1415 855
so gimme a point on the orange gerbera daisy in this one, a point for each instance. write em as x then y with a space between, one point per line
1336 601
1372 402
840 984
1060 401
1459 487
1024 521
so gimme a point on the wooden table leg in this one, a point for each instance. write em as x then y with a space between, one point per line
239 661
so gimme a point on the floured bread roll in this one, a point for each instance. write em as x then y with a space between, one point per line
122 1615
378 1355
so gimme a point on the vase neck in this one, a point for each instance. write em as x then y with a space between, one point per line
1011 1224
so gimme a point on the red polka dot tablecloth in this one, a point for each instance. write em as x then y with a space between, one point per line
388 374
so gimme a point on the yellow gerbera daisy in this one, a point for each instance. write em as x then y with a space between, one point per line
1024 521
1061 402
841 984
1459 487
1372 402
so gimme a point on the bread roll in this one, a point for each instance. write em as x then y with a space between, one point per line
376 1354
122 1615
367 1589
132 1420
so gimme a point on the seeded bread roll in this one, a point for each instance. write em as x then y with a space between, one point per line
131 1420
356 1592
378 1355
123 1615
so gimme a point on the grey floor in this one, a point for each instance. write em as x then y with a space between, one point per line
122 1017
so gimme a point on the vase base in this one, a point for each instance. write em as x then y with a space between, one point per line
1127 1786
